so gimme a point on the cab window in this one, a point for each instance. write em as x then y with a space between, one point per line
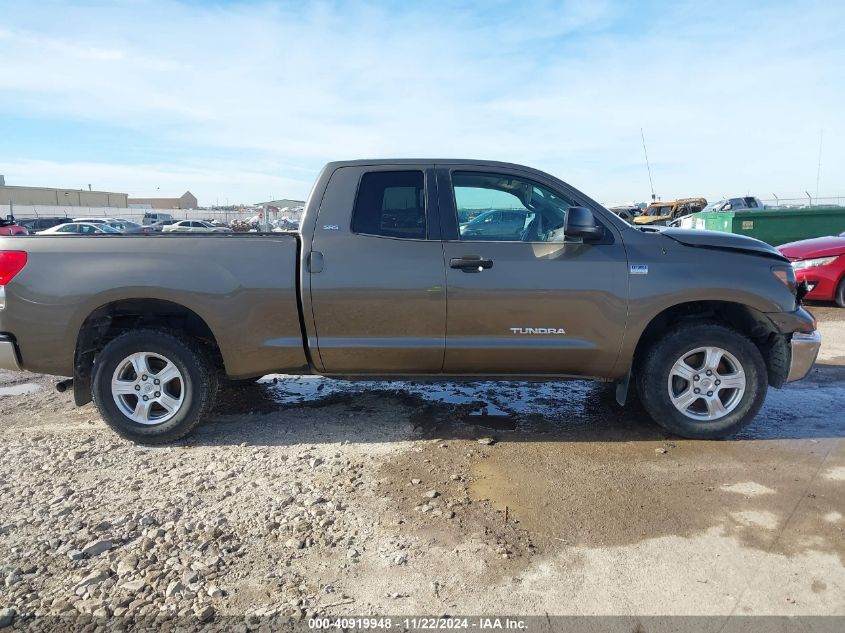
391 204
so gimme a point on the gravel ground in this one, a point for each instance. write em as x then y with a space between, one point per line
306 497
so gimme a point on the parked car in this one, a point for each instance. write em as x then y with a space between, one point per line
81 228
151 217
496 225
120 224
701 322
10 227
627 211
158 227
36 225
194 226
128 226
662 213
821 263
735 204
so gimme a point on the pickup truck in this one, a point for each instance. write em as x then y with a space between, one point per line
381 282
10 227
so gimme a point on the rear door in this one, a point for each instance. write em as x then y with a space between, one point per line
534 303
376 272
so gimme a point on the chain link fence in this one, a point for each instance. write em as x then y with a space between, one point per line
808 201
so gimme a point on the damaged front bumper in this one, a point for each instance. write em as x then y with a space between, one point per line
805 350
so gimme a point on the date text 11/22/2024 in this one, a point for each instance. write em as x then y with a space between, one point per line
406 623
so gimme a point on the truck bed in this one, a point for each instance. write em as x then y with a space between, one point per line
242 287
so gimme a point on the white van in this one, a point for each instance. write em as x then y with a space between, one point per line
152 218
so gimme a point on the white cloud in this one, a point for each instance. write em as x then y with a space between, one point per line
731 101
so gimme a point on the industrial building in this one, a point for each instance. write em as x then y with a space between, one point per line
281 204
48 196
186 201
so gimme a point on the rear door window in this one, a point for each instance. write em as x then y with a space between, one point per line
391 204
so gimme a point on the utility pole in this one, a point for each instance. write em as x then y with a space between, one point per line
645 151
819 168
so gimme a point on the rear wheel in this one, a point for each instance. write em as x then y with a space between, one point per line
703 381
153 387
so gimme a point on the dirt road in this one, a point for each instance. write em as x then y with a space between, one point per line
306 496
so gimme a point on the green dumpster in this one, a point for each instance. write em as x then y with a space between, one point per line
775 226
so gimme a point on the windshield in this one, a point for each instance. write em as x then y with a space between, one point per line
105 228
661 210
715 206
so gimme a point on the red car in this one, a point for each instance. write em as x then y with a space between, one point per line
821 263
8 227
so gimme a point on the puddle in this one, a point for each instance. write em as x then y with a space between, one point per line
492 399
19 390
801 410
487 421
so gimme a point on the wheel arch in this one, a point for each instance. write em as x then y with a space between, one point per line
111 319
743 318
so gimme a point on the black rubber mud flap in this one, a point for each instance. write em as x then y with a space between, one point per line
82 379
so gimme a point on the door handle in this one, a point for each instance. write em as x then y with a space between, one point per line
471 263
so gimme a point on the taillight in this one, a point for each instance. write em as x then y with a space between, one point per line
11 263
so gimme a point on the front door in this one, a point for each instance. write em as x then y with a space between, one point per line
526 300
378 283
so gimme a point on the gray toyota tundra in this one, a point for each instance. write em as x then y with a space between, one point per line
419 269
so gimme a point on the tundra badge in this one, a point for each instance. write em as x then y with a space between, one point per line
639 269
538 330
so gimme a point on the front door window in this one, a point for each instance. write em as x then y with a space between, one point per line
498 208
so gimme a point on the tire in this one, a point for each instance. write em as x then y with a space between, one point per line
839 297
183 396
659 378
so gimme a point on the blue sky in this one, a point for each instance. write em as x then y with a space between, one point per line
241 101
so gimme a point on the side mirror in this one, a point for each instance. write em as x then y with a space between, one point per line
581 223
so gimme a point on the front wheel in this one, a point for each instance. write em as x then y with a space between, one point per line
152 387
839 297
703 381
